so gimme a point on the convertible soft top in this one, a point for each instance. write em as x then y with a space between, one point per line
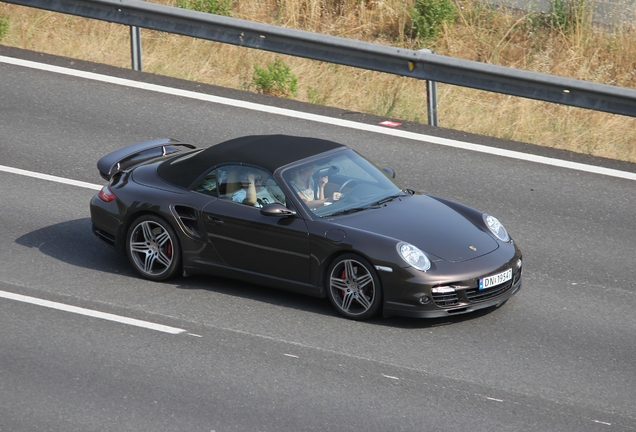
268 151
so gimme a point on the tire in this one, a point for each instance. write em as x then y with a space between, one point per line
353 287
153 248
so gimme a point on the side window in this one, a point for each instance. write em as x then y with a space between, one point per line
209 185
230 181
275 191
250 186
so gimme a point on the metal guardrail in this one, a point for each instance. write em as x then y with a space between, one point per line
423 64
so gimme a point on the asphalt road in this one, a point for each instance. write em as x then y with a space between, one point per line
559 356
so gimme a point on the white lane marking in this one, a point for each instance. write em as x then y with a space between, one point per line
323 119
291 355
90 313
493 399
602 422
390 377
49 177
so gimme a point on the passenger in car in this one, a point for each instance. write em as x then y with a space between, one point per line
303 182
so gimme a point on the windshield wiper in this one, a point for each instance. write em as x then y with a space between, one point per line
349 211
391 198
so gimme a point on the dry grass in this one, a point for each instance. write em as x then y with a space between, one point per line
480 34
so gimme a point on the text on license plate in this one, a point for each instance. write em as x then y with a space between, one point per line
494 280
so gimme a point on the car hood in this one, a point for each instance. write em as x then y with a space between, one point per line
426 223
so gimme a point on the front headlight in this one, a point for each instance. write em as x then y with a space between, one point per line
496 228
413 256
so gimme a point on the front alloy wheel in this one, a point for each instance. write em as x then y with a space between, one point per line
354 287
153 248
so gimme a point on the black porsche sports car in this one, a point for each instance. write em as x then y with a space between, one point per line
306 215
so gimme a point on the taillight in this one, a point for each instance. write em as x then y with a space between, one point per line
106 194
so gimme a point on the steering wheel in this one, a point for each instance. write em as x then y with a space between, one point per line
346 183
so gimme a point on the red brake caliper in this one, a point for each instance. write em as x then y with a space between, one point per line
343 277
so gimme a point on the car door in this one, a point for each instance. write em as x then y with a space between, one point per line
248 240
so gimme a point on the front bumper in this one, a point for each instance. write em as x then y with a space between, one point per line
408 292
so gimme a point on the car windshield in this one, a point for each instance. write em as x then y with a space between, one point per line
342 183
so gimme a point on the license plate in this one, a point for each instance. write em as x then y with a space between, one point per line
494 280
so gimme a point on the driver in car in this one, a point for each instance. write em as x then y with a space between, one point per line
253 192
303 181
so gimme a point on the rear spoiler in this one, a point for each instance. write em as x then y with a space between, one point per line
137 153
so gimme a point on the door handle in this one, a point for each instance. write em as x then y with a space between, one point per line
214 220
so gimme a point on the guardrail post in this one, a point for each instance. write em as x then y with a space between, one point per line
431 102
135 47
431 96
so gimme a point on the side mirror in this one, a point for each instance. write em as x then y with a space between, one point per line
389 171
276 209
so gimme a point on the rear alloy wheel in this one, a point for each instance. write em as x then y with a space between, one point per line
354 288
153 248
